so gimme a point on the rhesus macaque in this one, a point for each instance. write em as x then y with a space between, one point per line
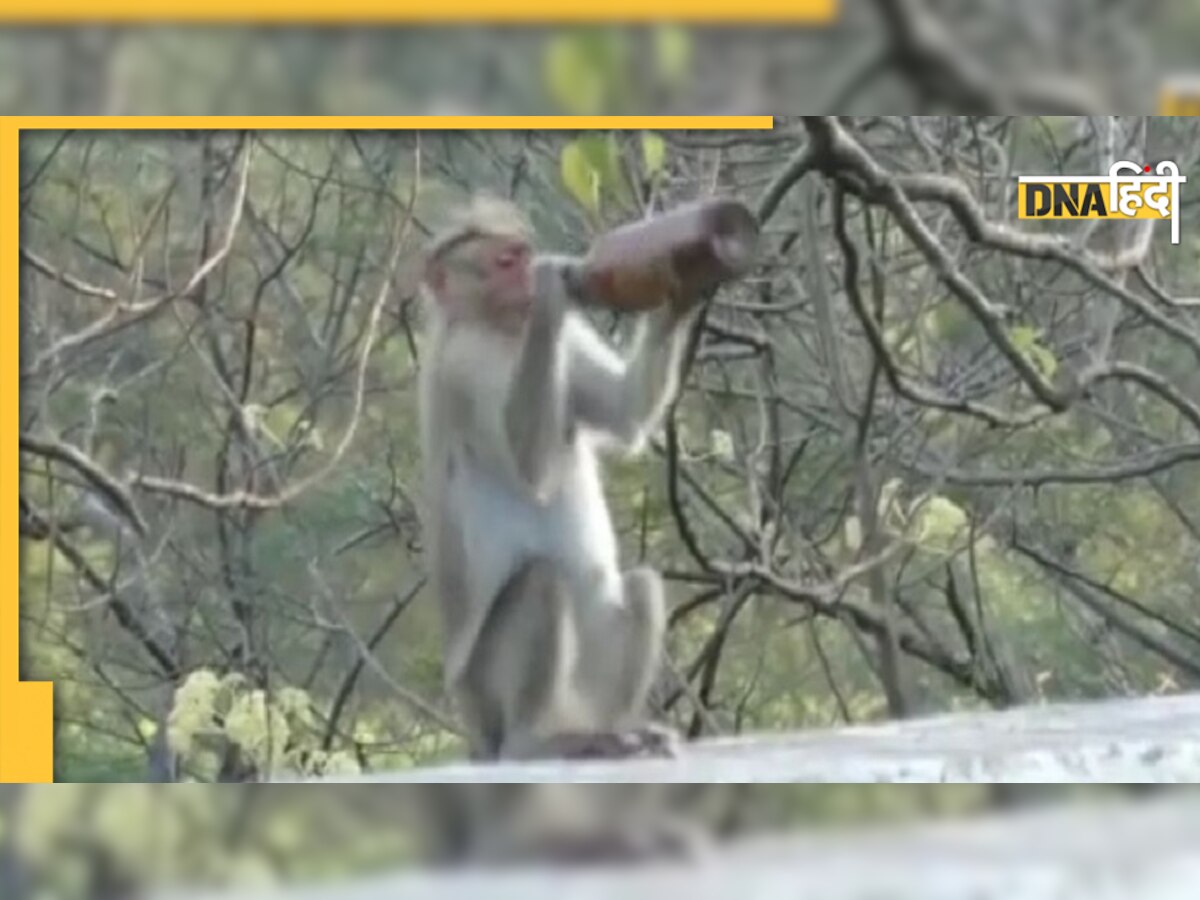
550 649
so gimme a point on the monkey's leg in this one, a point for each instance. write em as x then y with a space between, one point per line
620 647
521 679
557 677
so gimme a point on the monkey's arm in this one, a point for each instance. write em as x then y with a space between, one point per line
625 397
535 410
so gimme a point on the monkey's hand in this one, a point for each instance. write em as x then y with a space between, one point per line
535 413
557 283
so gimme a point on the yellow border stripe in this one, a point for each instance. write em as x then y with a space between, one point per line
27 708
395 123
813 12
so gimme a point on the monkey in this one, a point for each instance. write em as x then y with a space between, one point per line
549 648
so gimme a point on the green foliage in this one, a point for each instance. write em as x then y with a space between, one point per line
673 52
593 168
587 72
155 835
580 177
1027 340
601 70
275 733
654 153
580 70
603 156
939 525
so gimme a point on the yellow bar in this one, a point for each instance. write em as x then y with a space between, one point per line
396 123
1174 102
812 12
26 708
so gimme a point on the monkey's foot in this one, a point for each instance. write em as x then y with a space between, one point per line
644 741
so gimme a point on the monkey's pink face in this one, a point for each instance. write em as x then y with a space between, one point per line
508 285
489 278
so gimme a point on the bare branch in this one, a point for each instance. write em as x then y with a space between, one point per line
243 499
104 483
123 314
78 285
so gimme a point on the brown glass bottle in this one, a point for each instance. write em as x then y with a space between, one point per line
686 252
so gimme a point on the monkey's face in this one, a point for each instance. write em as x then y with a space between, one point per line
508 286
488 278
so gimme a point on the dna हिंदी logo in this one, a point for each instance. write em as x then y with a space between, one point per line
1128 191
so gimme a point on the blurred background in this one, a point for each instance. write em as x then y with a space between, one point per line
894 56
104 842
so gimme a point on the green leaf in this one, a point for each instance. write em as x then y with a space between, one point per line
673 52
580 178
606 49
1023 337
572 78
1044 359
1027 340
654 152
939 523
603 154
598 149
